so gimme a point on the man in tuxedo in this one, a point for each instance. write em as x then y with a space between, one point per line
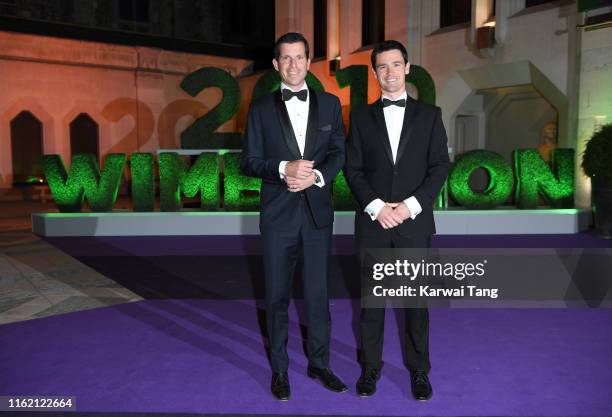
294 142
396 163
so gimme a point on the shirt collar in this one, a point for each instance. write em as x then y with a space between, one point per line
285 86
403 96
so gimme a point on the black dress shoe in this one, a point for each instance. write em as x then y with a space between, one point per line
280 386
366 385
327 377
421 388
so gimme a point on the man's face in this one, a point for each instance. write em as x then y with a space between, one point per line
550 130
390 71
292 64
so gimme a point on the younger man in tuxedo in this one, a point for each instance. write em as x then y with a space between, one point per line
396 163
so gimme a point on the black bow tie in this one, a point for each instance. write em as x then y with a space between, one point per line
288 94
398 103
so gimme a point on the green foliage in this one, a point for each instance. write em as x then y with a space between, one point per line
597 157
241 192
176 177
142 168
420 78
355 76
201 134
84 181
535 177
313 82
342 196
498 189
441 199
267 83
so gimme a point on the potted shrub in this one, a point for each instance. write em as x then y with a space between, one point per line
597 164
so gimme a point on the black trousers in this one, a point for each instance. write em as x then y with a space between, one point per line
372 321
281 251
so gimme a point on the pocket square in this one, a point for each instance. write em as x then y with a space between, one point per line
325 128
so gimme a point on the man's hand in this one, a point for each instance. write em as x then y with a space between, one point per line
300 169
295 185
401 209
388 217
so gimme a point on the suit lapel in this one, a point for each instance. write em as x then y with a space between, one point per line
285 122
313 124
409 115
379 117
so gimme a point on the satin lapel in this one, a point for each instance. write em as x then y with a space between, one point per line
285 122
313 124
379 116
409 116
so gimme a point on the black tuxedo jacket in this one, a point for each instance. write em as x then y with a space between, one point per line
269 139
420 169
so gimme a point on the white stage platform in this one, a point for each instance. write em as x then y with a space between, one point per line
448 222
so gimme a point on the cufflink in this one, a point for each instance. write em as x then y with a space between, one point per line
317 178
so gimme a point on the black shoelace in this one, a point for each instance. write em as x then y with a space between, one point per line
369 375
420 377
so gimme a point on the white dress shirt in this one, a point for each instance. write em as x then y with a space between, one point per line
394 120
298 116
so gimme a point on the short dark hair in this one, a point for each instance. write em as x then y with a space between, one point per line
385 46
291 37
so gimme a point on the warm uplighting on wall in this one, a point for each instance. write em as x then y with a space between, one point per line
334 65
485 35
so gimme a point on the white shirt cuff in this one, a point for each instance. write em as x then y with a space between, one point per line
320 183
413 206
374 208
281 169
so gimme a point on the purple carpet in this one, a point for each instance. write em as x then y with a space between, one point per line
207 356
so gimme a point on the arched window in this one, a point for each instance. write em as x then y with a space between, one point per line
27 147
84 136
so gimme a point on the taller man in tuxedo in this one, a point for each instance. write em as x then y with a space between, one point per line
294 142
397 161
